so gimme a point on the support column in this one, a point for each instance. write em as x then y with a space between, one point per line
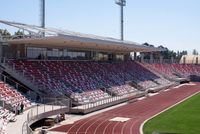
151 58
4 78
142 57
184 60
114 57
172 59
1 55
161 59
17 86
135 55
197 59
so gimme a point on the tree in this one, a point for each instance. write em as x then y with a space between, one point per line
167 54
180 54
147 44
195 52
4 33
19 34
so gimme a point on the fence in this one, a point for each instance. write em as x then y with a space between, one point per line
90 107
23 90
161 61
41 111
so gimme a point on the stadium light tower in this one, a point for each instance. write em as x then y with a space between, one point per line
121 3
43 13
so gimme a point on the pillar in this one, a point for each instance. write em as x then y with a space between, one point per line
135 55
142 57
151 58
161 59
172 59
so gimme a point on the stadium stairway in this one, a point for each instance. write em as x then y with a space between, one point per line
30 83
155 71
20 77
177 77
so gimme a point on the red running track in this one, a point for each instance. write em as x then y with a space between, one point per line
138 112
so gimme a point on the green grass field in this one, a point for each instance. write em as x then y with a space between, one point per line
182 119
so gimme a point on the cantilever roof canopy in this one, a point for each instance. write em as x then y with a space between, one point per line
84 43
74 40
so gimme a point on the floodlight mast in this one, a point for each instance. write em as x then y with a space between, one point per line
121 3
43 15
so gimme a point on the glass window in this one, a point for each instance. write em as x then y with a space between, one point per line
34 52
120 57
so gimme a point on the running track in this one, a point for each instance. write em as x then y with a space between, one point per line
138 112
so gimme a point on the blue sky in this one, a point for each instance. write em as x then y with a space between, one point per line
172 23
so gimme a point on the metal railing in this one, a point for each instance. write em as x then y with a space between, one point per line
109 100
25 77
42 111
22 76
169 61
20 88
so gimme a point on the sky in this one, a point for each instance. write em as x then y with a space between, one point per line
174 24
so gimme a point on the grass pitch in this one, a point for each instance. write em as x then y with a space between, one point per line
182 119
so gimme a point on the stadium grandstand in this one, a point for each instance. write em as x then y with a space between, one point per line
86 72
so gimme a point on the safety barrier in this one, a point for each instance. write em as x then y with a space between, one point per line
42 111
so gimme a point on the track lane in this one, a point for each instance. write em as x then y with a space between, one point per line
138 112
